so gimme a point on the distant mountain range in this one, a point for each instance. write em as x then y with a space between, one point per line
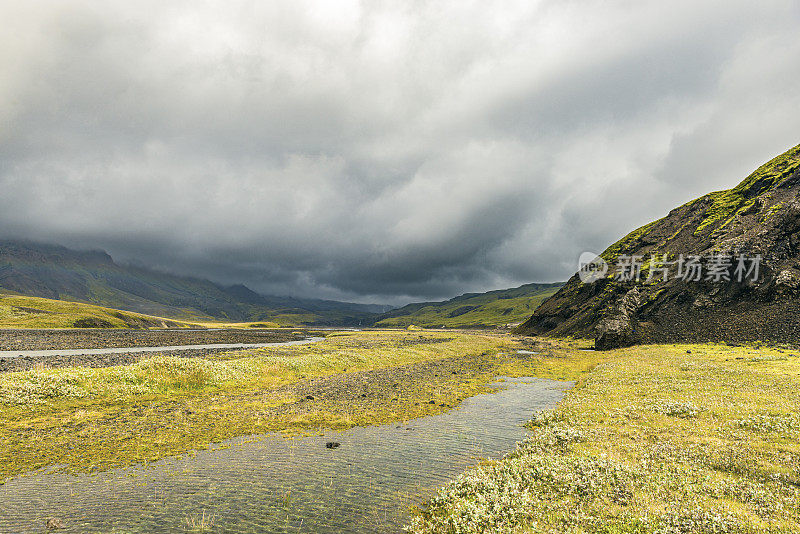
470 310
732 272
93 277
56 272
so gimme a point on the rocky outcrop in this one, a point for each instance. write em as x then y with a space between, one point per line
759 218
619 329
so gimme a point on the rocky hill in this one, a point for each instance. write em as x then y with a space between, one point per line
731 272
55 272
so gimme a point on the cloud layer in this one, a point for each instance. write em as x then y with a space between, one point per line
381 151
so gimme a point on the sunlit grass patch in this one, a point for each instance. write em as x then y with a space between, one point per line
655 439
84 419
18 311
157 375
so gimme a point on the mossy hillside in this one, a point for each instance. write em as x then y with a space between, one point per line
655 439
495 308
31 312
757 218
723 206
84 419
17 311
626 243
720 206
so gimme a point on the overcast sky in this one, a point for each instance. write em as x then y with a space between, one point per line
381 151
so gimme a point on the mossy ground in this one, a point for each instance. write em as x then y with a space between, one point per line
652 439
18 311
655 439
83 419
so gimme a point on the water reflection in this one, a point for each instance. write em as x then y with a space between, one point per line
272 484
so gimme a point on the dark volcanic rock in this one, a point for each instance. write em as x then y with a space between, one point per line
759 217
619 329
92 322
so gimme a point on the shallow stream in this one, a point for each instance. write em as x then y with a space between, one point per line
369 482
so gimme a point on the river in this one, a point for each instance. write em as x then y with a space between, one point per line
367 483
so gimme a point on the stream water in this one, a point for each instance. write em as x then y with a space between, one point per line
368 483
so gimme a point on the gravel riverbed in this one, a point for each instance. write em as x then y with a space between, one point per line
95 338
24 340
26 363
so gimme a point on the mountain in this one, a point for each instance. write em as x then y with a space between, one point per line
494 308
55 272
755 224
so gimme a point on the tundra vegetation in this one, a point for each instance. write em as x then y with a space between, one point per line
652 439
85 419
19 311
656 439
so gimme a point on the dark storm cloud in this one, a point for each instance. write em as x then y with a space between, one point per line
380 152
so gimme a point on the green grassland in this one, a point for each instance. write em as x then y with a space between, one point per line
17 311
656 439
84 419
31 312
495 308
652 439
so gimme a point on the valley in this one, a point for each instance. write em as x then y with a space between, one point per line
715 422
499 308
648 405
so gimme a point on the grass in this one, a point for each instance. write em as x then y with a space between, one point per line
726 204
496 308
654 439
32 312
17 311
199 523
85 419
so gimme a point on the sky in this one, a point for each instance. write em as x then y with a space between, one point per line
381 151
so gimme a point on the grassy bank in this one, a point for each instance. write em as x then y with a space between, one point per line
17 311
657 439
87 419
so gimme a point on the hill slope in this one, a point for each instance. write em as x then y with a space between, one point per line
55 272
33 312
494 308
760 216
